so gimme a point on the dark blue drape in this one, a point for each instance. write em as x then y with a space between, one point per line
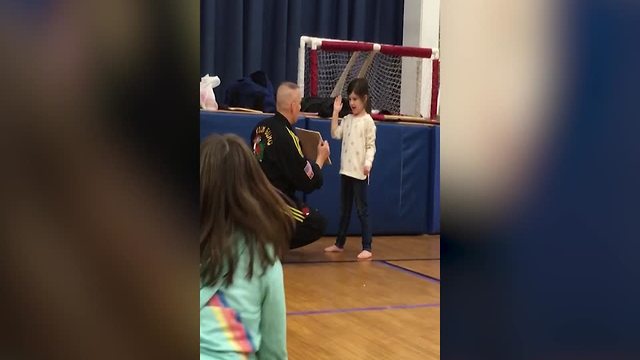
239 37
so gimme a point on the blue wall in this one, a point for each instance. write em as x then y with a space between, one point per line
405 180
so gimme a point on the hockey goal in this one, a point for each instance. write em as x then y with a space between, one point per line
326 66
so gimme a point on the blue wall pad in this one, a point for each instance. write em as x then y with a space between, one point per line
239 124
404 190
433 201
398 184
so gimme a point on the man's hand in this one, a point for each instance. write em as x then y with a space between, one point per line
323 153
367 170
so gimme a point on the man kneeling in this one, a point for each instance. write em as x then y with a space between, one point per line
278 150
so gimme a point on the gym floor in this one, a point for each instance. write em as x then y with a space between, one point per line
385 308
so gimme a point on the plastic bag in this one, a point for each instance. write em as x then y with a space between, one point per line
207 96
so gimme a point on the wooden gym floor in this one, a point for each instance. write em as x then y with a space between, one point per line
387 308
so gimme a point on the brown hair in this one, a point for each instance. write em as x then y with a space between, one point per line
235 196
360 87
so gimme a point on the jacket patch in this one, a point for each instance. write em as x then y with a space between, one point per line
308 169
263 138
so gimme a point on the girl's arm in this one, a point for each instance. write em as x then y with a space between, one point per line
370 145
336 130
273 325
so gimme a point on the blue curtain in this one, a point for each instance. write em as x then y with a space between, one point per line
239 37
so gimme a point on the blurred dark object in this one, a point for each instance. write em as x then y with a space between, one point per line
324 106
100 180
253 92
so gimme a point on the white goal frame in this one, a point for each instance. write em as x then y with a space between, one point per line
313 44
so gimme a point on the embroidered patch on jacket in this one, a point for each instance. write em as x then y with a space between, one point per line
258 147
262 139
308 169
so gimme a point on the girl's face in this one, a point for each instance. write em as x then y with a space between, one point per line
356 103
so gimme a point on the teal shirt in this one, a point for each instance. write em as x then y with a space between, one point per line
246 320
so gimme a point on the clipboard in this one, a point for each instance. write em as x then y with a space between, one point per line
309 140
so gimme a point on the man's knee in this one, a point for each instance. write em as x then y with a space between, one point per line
320 224
310 230
314 225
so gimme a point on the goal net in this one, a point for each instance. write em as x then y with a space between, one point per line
326 66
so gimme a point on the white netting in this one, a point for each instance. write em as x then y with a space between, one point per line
384 76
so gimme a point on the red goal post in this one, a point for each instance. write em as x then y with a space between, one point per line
325 67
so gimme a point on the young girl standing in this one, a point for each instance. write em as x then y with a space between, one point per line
244 225
358 134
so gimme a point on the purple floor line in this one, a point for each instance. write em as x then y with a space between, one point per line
373 308
349 261
410 272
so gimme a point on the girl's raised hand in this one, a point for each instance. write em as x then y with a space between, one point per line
337 104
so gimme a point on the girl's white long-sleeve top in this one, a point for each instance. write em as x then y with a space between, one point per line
358 136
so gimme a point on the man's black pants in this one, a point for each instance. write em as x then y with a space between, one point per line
309 230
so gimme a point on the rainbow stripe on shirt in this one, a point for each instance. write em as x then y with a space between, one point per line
231 324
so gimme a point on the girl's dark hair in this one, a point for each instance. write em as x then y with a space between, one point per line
237 198
360 87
